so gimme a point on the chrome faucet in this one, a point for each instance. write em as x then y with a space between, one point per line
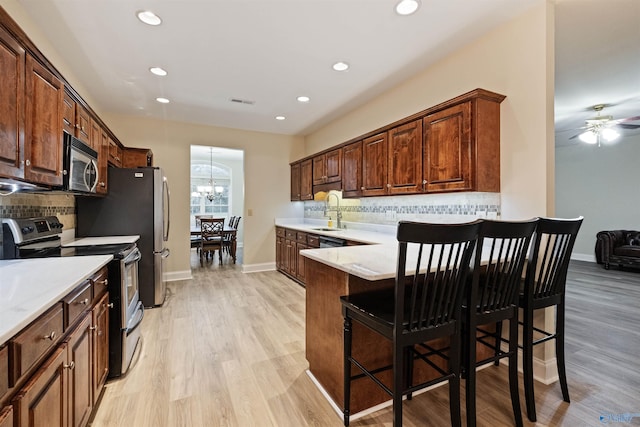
338 212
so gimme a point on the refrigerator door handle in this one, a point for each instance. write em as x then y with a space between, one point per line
166 207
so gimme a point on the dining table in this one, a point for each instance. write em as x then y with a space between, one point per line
228 233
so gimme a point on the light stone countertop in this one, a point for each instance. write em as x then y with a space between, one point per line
376 260
30 287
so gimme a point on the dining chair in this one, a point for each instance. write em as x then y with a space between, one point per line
423 305
236 223
544 286
492 296
211 233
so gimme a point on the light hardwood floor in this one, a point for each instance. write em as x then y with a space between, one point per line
227 349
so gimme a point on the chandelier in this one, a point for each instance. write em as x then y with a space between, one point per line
211 191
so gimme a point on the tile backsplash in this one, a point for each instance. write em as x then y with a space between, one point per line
448 207
28 205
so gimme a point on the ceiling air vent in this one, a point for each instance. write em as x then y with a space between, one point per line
242 101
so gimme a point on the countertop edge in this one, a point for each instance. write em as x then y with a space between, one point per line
59 293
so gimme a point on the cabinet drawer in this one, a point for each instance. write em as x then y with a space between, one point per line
35 340
4 370
301 237
280 232
313 241
290 234
77 302
100 284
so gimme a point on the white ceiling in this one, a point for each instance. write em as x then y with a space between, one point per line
271 51
266 51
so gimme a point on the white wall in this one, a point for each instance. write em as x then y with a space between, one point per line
516 60
600 183
266 178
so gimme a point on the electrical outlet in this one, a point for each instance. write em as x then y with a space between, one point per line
249 212
481 214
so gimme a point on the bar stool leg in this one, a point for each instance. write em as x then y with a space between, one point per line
347 370
562 374
527 364
513 370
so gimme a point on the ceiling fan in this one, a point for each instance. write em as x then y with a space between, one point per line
604 127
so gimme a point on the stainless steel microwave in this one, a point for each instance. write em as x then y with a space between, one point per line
80 173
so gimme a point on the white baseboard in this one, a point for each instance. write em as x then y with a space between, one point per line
584 257
255 268
172 276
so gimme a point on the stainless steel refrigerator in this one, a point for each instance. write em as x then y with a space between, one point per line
137 203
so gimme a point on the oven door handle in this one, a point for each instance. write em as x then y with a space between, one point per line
136 256
136 320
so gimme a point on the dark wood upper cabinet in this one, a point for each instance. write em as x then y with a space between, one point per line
83 125
43 125
306 177
447 149
327 167
295 182
352 170
69 114
462 147
405 158
12 65
374 165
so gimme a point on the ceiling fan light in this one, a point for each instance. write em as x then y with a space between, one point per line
589 137
610 134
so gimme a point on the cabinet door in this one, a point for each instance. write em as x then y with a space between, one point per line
95 138
12 63
43 125
300 262
80 344
292 254
405 158
6 417
352 170
43 400
295 182
115 153
83 125
447 149
100 318
306 188
69 114
374 165
333 166
279 253
319 175
103 164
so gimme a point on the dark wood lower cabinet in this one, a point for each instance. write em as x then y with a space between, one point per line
289 243
100 317
43 401
80 344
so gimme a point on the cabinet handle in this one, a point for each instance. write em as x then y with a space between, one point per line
110 305
102 184
51 336
71 365
28 162
388 185
362 188
93 328
83 302
424 181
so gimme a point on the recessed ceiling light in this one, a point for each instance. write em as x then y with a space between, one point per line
303 99
407 7
158 71
340 66
148 17
280 117
163 100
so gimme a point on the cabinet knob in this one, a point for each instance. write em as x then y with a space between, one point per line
71 365
83 302
110 305
93 328
51 336
424 182
362 188
388 185
28 162
102 184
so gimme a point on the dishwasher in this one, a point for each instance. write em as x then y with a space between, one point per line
331 242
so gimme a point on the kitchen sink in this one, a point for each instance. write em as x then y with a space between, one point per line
325 229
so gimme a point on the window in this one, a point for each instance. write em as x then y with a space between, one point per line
209 198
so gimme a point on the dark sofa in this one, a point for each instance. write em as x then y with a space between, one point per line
618 247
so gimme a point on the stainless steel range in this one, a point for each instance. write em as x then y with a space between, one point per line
40 237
